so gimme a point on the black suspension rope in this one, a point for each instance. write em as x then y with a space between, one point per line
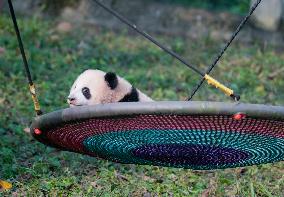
26 65
28 73
223 50
146 35
210 80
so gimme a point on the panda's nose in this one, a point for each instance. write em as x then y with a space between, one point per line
71 99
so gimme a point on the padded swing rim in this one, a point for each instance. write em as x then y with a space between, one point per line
64 116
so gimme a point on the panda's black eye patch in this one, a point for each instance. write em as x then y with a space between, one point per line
86 92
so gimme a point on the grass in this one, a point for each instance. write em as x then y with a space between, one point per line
56 59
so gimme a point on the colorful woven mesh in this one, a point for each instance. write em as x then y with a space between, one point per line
196 142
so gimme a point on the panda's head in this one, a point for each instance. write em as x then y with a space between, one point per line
93 87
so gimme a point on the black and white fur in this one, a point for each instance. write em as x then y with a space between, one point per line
97 87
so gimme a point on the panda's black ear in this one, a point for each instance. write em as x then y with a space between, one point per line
111 79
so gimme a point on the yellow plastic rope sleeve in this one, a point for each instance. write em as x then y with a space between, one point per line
34 97
5 185
217 84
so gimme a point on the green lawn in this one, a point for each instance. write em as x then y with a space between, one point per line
56 59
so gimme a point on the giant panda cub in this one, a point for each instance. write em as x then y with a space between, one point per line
97 87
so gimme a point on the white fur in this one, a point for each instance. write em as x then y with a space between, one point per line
100 91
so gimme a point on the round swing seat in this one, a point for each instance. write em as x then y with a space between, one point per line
195 135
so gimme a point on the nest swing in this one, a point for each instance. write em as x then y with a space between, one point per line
186 134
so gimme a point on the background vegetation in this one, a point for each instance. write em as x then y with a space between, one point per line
237 6
255 71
